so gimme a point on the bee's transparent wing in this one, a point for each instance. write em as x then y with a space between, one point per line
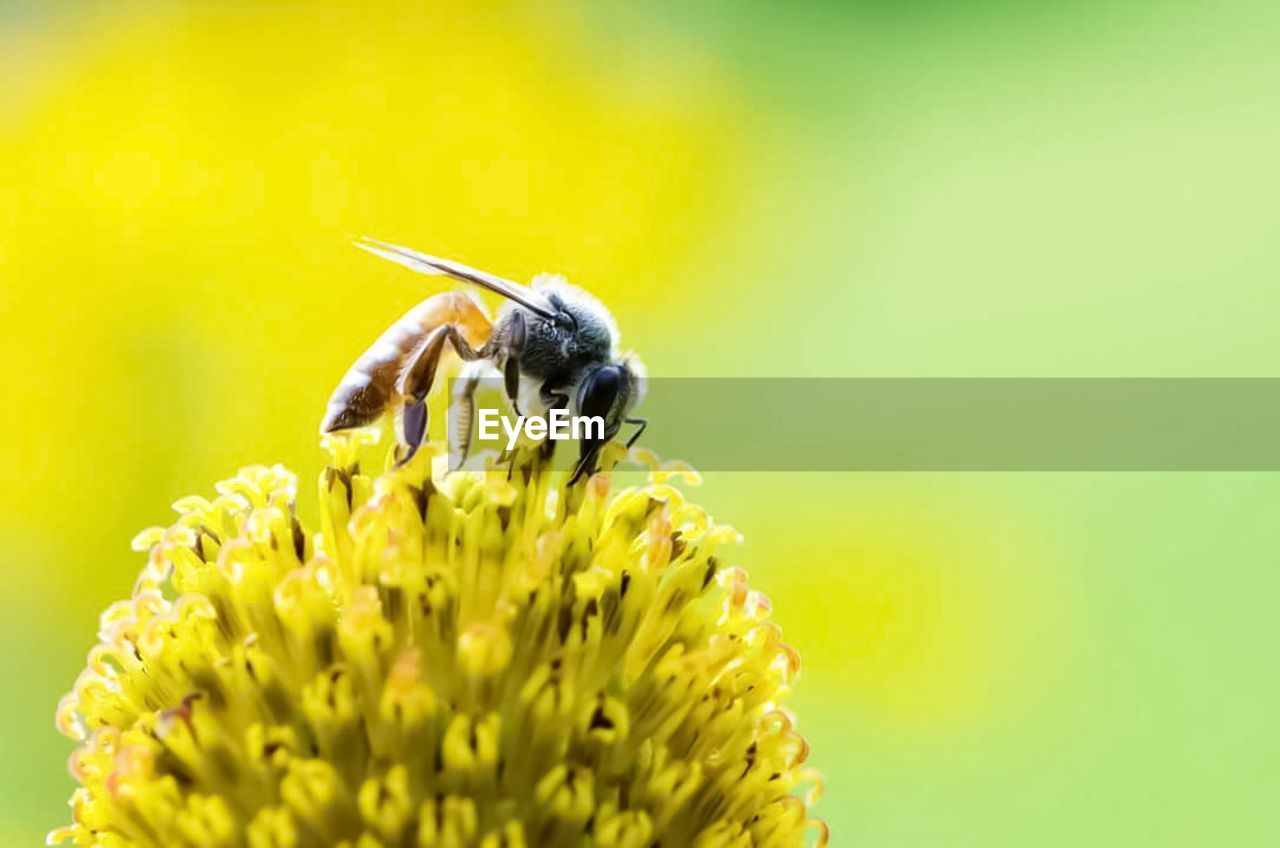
425 264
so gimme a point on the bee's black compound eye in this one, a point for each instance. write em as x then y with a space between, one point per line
600 391
600 395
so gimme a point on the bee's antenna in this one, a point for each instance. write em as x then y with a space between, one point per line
425 264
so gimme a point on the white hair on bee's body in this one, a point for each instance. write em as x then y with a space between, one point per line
632 360
548 280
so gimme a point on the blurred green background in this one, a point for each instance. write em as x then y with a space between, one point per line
888 188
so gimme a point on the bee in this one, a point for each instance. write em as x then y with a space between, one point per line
554 344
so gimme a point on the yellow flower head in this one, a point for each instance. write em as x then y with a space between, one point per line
487 659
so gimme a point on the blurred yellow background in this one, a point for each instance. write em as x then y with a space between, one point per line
995 188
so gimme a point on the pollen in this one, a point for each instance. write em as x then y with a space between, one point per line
468 659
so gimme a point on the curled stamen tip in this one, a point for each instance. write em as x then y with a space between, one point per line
147 539
677 468
823 832
724 534
758 604
68 719
61 836
191 503
817 785
791 658
646 457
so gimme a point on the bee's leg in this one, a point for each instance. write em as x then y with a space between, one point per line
464 410
589 450
586 463
413 429
420 373
516 334
641 424
416 380
552 399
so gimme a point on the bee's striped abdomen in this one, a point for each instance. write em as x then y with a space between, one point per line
368 390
